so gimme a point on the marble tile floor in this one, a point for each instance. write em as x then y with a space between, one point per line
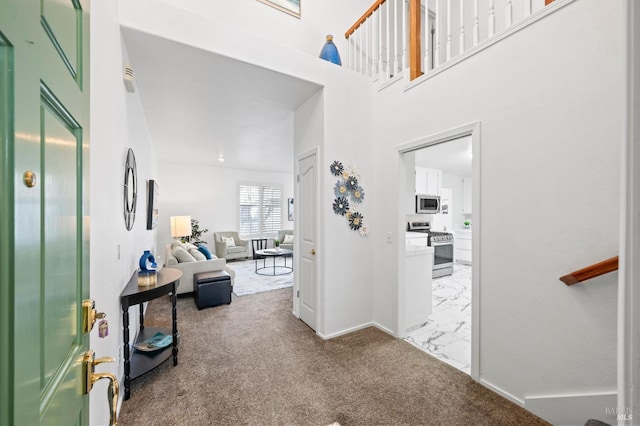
447 333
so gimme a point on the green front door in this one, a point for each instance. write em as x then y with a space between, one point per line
44 215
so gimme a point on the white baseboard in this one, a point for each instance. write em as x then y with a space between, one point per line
383 328
576 409
501 392
346 331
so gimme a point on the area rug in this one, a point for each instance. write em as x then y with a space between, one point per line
247 281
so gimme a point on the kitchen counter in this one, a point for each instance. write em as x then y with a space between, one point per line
418 271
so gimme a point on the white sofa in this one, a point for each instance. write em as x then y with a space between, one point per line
190 268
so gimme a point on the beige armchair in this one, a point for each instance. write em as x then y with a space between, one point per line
281 236
238 249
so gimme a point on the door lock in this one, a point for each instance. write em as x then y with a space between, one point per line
89 315
89 376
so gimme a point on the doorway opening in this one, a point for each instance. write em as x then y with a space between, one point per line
445 168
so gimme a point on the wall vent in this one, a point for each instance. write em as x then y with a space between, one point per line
128 78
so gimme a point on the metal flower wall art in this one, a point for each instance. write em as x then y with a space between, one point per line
348 195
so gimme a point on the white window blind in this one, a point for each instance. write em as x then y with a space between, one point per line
260 209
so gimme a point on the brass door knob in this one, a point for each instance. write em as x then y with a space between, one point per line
313 252
89 363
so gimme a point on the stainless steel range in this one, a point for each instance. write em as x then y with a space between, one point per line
442 243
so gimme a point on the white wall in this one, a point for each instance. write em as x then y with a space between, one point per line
117 123
210 195
307 34
551 118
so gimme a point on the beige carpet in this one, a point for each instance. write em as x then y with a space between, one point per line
252 362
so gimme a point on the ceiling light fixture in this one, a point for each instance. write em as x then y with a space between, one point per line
221 159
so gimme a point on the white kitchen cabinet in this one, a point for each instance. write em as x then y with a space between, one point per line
434 181
467 191
428 181
421 180
462 246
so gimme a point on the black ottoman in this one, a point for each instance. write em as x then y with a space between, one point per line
211 288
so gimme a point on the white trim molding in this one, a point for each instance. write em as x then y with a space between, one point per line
573 409
628 403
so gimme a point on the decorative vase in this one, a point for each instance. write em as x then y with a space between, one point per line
329 51
147 261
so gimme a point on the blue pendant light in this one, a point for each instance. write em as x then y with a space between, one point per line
329 51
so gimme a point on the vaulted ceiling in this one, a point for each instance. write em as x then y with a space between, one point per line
201 106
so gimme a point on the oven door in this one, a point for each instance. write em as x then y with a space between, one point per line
442 258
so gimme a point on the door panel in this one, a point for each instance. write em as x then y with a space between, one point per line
60 222
63 26
45 124
307 193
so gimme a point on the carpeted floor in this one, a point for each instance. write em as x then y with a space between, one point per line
252 362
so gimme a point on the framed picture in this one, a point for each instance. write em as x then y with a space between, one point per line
152 204
290 209
292 7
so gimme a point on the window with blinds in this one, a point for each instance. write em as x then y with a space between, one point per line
260 209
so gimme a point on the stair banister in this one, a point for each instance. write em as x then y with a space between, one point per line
591 271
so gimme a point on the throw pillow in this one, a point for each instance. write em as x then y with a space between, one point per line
229 241
288 239
204 250
197 255
182 255
190 246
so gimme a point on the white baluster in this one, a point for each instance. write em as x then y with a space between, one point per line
492 18
387 73
448 29
404 35
349 52
527 8
367 25
380 64
396 35
508 14
476 23
359 48
427 53
461 27
437 52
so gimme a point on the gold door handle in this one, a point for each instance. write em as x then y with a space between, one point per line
89 363
312 252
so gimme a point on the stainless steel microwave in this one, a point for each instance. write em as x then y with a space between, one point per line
427 204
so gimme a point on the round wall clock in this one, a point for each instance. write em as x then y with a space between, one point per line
130 190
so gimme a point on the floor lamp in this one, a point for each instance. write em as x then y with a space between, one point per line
180 227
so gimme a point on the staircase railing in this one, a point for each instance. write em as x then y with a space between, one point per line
394 36
591 271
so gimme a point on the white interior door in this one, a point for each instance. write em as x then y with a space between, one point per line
307 220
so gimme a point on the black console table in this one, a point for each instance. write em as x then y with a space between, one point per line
137 363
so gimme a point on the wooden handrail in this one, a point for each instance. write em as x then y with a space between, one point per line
364 17
592 271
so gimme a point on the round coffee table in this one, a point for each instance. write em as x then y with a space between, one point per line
274 253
